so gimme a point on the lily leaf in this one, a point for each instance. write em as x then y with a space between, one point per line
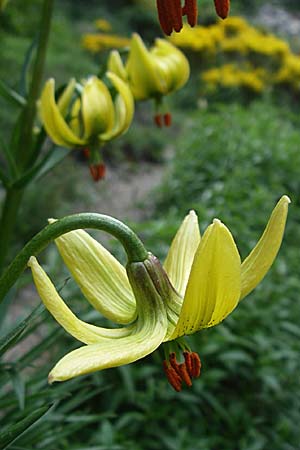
12 433
50 160
11 95
26 65
15 334
18 385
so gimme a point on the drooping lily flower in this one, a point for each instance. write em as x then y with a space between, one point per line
87 116
201 283
154 73
171 12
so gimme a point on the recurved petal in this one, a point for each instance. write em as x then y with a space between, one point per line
124 108
53 120
214 285
259 261
101 278
182 251
149 333
97 108
84 332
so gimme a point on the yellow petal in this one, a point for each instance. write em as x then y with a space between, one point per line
214 285
142 71
97 108
53 120
182 251
66 97
124 108
173 63
101 278
84 332
259 261
116 66
150 330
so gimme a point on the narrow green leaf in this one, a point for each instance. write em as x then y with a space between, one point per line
19 386
10 434
11 96
14 335
26 65
45 165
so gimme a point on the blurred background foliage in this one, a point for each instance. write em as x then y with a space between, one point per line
231 153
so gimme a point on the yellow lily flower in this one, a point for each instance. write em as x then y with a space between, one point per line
201 283
92 118
151 73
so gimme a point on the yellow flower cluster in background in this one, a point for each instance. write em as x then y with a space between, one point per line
97 42
232 53
232 76
100 41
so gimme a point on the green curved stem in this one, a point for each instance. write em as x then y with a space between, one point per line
132 244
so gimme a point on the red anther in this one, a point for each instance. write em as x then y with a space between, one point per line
168 119
188 362
196 365
190 10
175 12
158 120
164 17
174 363
86 152
97 171
222 8
185 375
173 378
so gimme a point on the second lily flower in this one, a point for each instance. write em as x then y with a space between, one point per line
87 115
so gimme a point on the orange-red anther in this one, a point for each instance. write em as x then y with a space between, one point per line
164 18
185 375
222 8
158 120
173 378
168 119
196 365
174 363
184 372
190 10
188 362
175 12
97 171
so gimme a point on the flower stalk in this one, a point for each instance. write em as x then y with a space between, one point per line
134 248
